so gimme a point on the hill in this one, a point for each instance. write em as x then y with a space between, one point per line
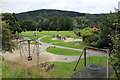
51 19
45 13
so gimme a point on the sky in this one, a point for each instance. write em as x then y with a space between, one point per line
83 6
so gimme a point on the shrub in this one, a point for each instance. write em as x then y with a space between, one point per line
88 36
40 29
77 32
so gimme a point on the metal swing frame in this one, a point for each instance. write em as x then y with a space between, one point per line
84 52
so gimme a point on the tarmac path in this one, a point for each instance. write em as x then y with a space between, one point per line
64 58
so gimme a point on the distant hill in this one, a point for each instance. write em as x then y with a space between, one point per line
45 13
51 19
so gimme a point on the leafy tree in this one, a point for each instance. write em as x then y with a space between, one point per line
57 29
28 25
114 23
40 29
40 23
77 31
88 36
14 15
7 44
11 21
104 39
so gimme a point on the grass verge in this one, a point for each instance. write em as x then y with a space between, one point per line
65 70
61 51
30 36
49 40
71 44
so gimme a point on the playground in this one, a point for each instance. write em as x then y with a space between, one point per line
66 52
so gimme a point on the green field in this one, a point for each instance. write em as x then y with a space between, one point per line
62 33
30 36
61 51
64 70
49 40
46 32
71 44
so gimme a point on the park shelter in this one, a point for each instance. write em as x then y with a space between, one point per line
94 28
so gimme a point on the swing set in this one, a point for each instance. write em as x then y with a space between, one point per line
24 46
91 67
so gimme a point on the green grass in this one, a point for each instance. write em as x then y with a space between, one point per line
113 76
31 43
61 51
72 35
61 69
70 44
30 36
46 32
62 33
49 40
65 70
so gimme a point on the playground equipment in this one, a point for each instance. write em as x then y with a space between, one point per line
94 67
84 52
25 46
29 56
59 37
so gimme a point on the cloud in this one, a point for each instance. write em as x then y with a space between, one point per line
87 6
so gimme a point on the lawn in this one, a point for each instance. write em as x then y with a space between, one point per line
72 35
30 36
65 70
61 69
61 51
49 40
71 44
62 33
46 32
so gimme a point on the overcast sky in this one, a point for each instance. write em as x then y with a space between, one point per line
86 6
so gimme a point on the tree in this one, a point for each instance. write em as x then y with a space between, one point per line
114 22
57 29
7 44
28 25
14 15
88 36
11 21
77 31
104 39
40 29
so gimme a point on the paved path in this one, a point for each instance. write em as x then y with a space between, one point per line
64 58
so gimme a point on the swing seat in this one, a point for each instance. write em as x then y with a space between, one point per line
94 67
29 58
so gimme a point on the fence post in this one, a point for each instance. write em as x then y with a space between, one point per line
85 56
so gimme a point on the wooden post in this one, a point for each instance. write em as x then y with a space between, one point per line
77 62
37 53
17 42
108 51
20 49
29 57
85 56
28 47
